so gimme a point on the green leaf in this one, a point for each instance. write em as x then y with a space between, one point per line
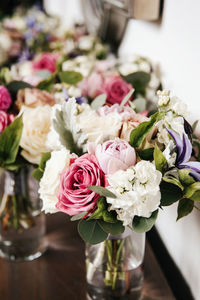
159 158
18 163
102 212
101 191
185 207
193 191
112 228
147 154
139 134
194 126
141 224
98 101
47 84
170 193
15 86
79 216
184 177
139 81
174 181
9 142
127 97
70 77
91 232
38 173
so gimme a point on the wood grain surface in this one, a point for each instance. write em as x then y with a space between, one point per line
60 273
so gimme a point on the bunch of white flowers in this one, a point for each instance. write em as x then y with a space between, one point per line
137 191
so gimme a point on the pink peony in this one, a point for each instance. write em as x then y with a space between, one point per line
5 98
5 120
115 155
46 61
74 196
116 89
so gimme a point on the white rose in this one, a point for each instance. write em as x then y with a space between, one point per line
97 128
137 191
36 127
49 184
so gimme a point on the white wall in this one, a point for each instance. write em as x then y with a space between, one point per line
175 44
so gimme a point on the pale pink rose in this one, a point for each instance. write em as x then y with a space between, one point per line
115 155
92 86
33 80
5 98
74 196
34 98
5 120
116 89
46 61
144 113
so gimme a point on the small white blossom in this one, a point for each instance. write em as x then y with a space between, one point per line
137 191
170 154
163 98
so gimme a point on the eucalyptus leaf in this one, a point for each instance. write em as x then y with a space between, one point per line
102 212
101 191
185 207
140 104
127 97
9 142
70 77
159 158
112 228
141 224
98 101
170 193
139 81
79 216
44 74
91 231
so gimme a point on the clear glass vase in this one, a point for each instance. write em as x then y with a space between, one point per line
22 225
114 267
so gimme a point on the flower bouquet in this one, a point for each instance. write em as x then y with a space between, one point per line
24 125
113 170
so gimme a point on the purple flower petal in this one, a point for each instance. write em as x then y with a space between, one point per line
195 168
186 152
178 141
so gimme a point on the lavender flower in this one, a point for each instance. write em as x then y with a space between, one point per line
184 152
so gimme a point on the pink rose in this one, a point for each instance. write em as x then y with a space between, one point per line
92 86
5 98
46 61
116 89
5 120
74 196
115 155
126 112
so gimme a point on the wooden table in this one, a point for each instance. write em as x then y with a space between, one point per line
60 273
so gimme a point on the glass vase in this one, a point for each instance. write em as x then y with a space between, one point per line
22 225
114 267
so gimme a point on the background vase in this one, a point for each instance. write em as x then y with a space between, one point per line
22 225
114 267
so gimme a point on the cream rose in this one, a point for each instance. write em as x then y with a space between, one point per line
37 124
49 184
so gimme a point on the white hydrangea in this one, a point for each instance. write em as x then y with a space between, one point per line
137 190
170 121
49 184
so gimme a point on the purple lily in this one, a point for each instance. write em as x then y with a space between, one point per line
184 152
